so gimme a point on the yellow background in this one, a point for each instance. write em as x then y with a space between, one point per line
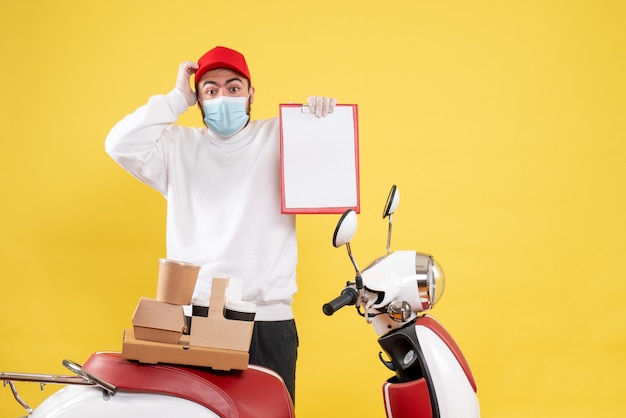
502 123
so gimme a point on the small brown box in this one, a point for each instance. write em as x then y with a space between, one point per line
158 321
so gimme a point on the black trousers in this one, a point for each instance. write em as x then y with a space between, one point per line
275 345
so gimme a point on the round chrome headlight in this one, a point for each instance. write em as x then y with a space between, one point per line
437 282
431 280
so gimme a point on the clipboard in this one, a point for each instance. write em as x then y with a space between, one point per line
319 160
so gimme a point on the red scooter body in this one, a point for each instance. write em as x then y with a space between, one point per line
249 393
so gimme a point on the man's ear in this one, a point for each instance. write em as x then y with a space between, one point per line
251 94
198 101
201 109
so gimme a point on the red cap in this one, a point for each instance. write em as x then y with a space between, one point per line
222 57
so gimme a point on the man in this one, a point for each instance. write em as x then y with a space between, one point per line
222 185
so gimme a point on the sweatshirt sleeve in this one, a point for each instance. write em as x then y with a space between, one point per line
138 142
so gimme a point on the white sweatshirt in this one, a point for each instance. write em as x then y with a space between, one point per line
223 199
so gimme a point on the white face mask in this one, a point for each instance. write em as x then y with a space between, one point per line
225 115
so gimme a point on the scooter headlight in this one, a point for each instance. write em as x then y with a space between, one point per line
431 280
437 283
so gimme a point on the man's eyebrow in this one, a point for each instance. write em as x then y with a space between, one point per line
208 82
227 81
234 79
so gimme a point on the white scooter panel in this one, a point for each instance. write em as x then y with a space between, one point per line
452 379
86 401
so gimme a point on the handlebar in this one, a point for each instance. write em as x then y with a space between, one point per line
349 296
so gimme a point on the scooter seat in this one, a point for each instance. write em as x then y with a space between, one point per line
252 393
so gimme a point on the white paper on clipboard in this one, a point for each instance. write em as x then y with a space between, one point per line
319 160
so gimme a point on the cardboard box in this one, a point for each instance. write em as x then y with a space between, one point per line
215 341
215 330
158 321
152 352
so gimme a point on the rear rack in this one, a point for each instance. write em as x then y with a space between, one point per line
82 377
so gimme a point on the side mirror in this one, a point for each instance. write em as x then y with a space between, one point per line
346 228
393 200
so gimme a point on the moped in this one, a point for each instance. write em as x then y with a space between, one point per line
432 378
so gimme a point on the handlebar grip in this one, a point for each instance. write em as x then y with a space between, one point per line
348 296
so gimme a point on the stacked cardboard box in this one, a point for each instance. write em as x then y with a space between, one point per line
158 330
